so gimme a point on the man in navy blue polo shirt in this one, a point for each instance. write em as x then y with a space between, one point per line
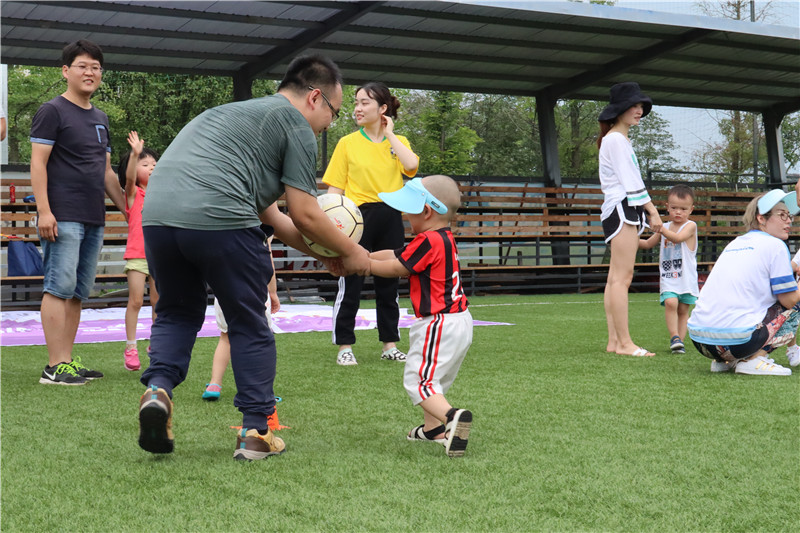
71 174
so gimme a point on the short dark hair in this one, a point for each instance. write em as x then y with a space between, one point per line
379 92
81 47
681 191
311 71
122 168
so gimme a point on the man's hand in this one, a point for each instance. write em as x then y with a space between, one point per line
357 262
47 226
334 265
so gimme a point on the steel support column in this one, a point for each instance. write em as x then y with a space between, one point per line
772 132
548 138
242 87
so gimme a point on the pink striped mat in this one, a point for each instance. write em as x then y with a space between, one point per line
24 328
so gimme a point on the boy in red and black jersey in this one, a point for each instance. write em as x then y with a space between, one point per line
440 339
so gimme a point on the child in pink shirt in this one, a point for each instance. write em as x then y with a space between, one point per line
134 173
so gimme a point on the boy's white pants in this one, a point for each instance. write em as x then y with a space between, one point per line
437 346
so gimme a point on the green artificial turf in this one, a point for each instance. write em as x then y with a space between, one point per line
565 438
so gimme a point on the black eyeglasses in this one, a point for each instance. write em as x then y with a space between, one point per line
335 113
783 215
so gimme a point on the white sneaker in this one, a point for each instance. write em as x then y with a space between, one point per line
761 366
346 357
393 354
793 354
722 366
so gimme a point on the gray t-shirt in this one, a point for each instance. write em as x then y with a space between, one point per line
229 164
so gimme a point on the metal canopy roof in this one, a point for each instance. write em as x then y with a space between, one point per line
546 49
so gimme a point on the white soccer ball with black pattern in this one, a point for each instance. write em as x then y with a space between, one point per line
345 215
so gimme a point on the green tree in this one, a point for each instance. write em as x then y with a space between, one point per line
155 105
733 155
28 88
508 127
740 131
443 143
790 130
577 128
653 144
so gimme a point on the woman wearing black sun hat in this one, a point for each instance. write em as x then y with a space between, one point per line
625 201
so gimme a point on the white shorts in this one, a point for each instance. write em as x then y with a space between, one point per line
222 324
437 346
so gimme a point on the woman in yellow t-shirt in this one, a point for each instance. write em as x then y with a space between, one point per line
367 162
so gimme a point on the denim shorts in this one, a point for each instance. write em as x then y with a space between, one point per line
70 263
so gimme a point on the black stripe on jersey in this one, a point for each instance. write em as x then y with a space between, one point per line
424 277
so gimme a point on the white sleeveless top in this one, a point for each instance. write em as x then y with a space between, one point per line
678 264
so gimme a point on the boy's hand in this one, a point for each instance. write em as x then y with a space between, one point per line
137 144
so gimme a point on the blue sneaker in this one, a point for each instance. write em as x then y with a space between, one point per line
213 392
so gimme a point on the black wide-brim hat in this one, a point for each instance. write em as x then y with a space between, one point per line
624 96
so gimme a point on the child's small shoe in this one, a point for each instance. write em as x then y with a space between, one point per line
437 434
676 345
793 354
459 423
132 359
212 392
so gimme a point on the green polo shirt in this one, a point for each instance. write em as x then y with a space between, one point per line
229 164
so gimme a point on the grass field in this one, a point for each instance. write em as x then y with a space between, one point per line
565 438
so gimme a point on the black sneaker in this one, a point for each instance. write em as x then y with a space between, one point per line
83 371
61 374
459 422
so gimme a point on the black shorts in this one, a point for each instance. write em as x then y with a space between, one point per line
623 214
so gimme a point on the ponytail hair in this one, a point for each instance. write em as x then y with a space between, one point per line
380 93
605 127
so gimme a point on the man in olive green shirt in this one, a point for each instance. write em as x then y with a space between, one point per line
208 196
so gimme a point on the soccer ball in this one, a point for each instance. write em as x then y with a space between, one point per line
344 213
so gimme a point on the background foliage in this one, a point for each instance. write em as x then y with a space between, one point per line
453 133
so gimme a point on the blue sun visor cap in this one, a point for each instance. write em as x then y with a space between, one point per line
412 198
776 196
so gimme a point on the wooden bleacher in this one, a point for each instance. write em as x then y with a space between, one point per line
511 237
